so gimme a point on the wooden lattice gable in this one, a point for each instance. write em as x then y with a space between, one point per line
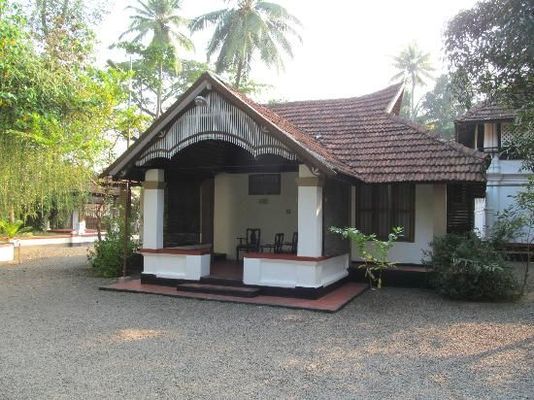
220 120
228 116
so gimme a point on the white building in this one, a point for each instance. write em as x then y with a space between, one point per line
488 128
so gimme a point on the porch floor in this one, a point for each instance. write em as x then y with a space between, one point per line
226 269
331 302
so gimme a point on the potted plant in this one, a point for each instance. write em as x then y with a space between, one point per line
8 232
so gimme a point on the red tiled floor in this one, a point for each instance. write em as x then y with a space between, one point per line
228 269
330 302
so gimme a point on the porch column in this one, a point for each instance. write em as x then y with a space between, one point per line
78 223
310 214
153 208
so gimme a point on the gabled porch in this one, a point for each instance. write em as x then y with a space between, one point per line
198 205
216 174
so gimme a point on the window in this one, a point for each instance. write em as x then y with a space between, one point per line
379 208
263 184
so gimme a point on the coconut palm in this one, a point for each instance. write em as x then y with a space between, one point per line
160 20
414 66
250 27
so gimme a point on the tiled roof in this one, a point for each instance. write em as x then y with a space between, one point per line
303 138
487 112
361 137
378 146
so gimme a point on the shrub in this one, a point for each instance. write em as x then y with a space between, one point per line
468 268
107 255
374 252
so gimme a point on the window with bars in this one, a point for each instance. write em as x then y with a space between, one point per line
380 208
264 184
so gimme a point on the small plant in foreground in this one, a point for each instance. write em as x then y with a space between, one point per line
107 255
9 230
374 252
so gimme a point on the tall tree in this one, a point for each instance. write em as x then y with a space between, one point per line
160 20
54 118
414 67
491 53
440 107
54 20
248 28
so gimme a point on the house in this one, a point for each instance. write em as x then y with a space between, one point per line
216 164
487 128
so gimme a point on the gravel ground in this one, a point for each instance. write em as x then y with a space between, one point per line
62 338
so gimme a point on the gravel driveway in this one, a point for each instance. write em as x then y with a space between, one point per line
62 338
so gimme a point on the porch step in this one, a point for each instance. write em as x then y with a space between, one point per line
226 290
220 280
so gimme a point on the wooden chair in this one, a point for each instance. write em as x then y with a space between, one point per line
291 247
251 241
275 247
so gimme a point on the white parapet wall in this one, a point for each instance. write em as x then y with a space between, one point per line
176 266
7 252
293 271
58 240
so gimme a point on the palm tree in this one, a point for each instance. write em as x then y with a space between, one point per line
159 18
251 27
413 66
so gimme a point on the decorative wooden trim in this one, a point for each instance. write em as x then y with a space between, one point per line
310 181
169 250
219 120
282 256
154 185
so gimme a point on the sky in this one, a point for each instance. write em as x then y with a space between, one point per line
347 48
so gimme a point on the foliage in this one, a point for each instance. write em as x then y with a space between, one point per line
63 28
107 255
252 27
374 252
159 19
147 81
469 268
490 46
11 229
414 66
53 122
490 53
440 107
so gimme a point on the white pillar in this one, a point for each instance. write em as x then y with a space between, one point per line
78 223
310 214
493 189
75 218
153 208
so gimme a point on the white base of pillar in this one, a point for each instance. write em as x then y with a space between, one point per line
295 273
7 252
176 266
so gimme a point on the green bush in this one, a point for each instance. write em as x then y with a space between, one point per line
107 255
468 268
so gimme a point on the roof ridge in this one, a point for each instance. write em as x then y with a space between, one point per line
397 86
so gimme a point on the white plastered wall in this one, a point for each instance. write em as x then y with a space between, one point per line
235 211
430 221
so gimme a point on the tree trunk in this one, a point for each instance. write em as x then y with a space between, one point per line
527 266
239 74
158 94
413 99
